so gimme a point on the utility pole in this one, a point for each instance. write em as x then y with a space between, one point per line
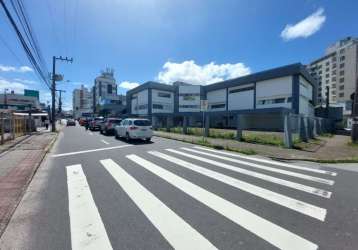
354 134
60 100
327 101
5 98
53 88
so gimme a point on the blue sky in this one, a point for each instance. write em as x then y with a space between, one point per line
195 41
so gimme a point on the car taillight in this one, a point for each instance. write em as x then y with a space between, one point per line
133 128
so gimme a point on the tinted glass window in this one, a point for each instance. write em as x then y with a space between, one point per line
142 123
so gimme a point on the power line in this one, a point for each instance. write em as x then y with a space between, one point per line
28 52
11 51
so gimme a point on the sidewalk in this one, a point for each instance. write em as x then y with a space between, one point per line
334 149
19 160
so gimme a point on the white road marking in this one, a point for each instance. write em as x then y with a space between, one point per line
90 133
282 164
272 169
105 142
294 204
91 150
279 181
174 229
87 229
268 231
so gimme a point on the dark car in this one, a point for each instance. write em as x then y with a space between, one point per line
70 122
95 123
107 127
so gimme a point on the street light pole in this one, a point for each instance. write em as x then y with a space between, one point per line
5 98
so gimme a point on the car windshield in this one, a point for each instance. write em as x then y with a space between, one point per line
142 123
115 121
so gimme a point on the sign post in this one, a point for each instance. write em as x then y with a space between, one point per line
203 109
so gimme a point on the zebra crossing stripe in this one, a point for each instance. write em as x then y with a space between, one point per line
275 170
268 231
291 203
282 164
174 229
87 229
265 177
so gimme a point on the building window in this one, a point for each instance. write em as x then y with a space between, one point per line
320 72
143 106
342 58
341 94
333 92
334 65
279 100
333 79
341 87
334 72
165 95
274 101
327 63
327 75
327 69
341 51
218 106
341 73
109 89
189 106
289 99
319 94
240 90
341 65
334 85
157 106
327 81
334 59
341 80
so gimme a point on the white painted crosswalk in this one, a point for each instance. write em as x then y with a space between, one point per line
177 229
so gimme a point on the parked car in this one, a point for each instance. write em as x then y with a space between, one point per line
134 128
70 122
82 121
95 123
107 127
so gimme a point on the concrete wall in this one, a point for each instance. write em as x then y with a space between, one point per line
269 91
139 102
189 98
217 97
161 103
239 100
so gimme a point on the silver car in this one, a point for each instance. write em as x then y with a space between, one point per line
134 128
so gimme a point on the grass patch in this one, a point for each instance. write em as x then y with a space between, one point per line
351 144
350 160
266 139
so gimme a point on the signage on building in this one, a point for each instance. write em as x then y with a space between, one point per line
30 92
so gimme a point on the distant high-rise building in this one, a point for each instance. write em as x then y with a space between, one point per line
105 87
338 69
82 102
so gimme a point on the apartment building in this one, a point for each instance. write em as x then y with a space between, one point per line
338 70
285 89
105 87
20 102
82 102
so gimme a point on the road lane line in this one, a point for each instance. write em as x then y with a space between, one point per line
87 229
90 133
268 231
174 229
272 169
90 150
291 203
282 164
105 142
279 181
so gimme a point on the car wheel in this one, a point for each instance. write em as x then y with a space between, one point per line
101 131
116 134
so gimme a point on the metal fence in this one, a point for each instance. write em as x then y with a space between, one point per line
13 126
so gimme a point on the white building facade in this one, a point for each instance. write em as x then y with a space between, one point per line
82 102
338 70
286 89
105 87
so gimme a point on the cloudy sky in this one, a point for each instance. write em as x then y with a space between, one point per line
199 42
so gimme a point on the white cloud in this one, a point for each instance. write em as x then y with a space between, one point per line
22 69
128 85
25 81
306 27
190 72
15 86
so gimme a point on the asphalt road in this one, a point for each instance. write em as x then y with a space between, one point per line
96 192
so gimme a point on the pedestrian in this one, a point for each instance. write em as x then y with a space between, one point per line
46 124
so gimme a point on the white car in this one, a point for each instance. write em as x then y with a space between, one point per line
134 128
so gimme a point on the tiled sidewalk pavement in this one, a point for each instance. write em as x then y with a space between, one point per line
17 166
